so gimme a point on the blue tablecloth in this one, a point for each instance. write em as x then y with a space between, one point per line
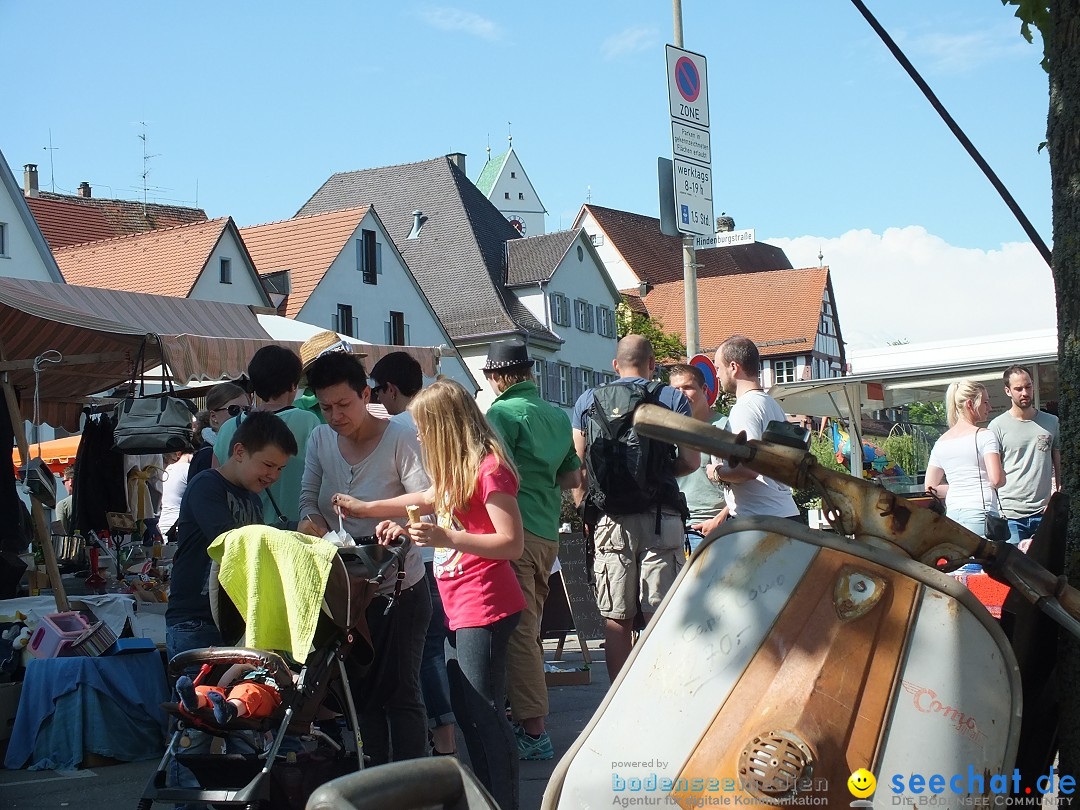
72 706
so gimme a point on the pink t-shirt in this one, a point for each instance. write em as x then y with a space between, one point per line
477 591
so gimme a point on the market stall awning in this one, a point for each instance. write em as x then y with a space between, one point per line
99 332
58 453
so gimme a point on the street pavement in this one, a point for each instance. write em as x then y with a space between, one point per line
120 786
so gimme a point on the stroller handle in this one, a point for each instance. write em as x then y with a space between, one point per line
273 663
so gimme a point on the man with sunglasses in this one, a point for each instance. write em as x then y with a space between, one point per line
395 380
275 372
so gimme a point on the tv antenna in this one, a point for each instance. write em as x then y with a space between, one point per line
52 173
146 163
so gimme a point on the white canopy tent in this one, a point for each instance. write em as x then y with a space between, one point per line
893 376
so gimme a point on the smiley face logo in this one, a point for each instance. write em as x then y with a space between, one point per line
861 783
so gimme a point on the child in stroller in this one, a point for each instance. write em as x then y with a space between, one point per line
293 752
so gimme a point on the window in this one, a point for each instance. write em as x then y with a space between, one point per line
343 321
369 256
3 239
784 371
580 253
605 321
513 175
597 239
565 385
395 330
506 195
226 270
583 379
560 309
583 315
538 375
521 195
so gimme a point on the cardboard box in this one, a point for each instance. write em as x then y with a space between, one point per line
9 704
573 677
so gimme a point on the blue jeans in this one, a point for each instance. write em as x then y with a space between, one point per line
190 634
1023 528
433 682
974 520
476 665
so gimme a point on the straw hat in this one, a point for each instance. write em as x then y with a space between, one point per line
323 343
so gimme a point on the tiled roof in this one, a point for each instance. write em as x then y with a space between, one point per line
486 181
166 261
69 220
459 258
780 310
306 246
535 258
657 259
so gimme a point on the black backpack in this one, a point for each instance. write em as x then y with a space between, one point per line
628 474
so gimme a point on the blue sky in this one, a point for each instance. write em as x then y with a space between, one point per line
820 141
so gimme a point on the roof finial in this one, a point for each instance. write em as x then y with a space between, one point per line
588 194
509 135
489 146
820 256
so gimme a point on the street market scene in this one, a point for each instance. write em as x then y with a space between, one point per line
723 457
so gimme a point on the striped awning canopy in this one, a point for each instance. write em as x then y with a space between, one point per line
98 332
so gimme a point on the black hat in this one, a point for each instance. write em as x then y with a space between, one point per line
507 354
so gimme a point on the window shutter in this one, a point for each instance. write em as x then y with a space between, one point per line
589 309
388 333
551 382
575 383
378 258
408 341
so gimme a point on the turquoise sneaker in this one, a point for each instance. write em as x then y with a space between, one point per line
534 748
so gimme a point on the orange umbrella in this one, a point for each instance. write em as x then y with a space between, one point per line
58 453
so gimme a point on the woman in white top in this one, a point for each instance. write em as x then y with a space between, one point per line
968 458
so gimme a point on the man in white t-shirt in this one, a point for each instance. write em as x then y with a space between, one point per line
738 365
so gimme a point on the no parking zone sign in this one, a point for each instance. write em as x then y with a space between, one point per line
705 365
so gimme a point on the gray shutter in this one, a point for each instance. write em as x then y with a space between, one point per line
388 333
551 386
378 258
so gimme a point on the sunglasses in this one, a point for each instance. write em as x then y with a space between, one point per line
234 410
376 390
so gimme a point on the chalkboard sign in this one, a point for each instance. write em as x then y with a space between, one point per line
571 605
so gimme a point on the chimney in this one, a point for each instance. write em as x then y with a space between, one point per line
84 189
458 159
418 222
30 180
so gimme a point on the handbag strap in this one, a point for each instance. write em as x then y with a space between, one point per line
978 468
166 371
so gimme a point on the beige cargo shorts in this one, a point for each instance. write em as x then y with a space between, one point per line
634 566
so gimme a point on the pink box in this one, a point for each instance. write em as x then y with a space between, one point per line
55 632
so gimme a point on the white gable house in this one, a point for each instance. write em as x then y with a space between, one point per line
23 250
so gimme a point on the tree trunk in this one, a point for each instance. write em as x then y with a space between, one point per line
1063 140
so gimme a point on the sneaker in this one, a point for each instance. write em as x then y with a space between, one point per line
534 748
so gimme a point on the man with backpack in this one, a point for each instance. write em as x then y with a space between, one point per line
632 500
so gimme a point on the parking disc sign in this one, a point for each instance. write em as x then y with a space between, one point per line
688 86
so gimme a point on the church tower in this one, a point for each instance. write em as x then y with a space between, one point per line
504 182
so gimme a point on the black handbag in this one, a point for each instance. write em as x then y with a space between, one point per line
161 424
997 527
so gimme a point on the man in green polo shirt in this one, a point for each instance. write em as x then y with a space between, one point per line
538 438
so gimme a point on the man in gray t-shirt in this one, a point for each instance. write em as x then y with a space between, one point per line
1030 453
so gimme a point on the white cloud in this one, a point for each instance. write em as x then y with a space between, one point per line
455 19
628 41
960 53
907 283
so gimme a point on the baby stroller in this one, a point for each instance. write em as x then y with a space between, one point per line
315 733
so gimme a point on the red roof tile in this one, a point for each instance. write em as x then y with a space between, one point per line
780 310
68 220
657 259
166 261
306 246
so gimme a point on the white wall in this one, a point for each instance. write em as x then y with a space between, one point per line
523 200
20 258
620 272
372 303
243 290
